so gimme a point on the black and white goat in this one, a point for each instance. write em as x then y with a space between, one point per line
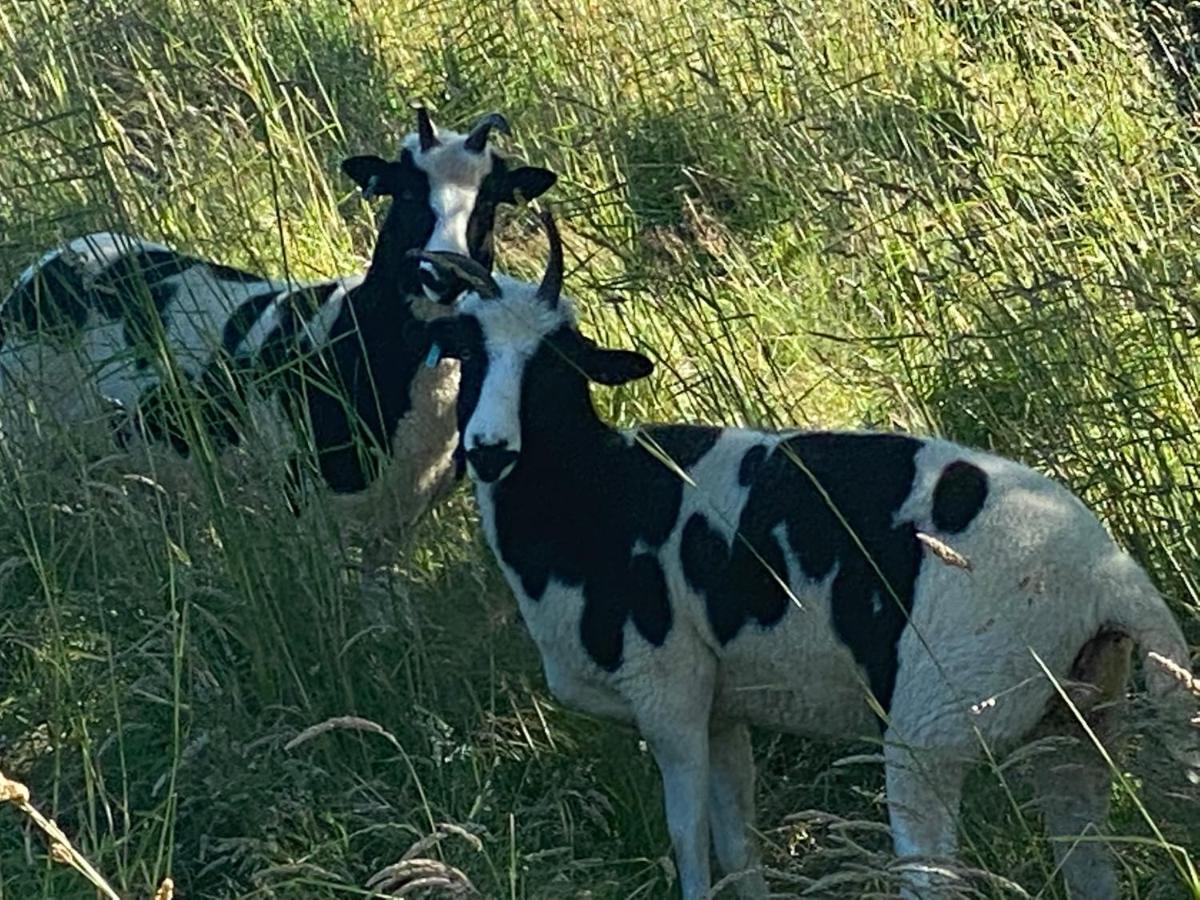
85 328
696 580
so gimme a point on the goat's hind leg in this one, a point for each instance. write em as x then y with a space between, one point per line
673 718
731 807
1072 784
1072 794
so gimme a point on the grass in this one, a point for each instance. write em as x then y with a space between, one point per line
972 219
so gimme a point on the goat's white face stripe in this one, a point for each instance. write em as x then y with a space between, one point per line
513 329
452 204
497 417
455 178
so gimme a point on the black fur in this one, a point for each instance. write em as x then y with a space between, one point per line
586 507
752 462
582 497
356 388
244 318
285 342
502 185
53 301
352 391
961 491
866 479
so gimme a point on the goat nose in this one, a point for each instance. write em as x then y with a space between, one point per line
491 462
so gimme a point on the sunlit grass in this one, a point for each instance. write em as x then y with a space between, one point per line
979 222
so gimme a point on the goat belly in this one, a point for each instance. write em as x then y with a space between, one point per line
798 677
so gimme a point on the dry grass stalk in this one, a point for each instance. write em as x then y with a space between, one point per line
1189 681
1176 671
412 872
442 831
944 551
61 850
344 723
733 878
411 875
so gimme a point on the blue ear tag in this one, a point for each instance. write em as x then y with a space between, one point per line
433 357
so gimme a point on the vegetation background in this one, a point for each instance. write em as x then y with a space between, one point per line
978 219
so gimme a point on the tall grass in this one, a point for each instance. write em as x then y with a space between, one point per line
966 218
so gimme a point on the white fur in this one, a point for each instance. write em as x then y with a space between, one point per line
90 253
199 311
1045 580
455 177
65 383
515 331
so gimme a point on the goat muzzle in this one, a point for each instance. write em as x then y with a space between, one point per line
491 462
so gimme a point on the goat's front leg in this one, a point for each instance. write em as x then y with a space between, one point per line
924 788
675 725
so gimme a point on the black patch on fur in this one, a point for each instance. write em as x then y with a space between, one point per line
285 344
497 188
462 339
54 299
352 391
961 491
583 505
652 615
867 479
243 319
408 226
227 273
134 288
357 387
482 222
684 446
752 461
158 417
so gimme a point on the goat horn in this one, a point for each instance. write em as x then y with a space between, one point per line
425 131
476 276
551 287
477 140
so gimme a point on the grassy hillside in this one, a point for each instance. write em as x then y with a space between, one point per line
975 219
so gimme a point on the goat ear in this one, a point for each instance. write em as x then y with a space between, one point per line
613 367
526 183
365 171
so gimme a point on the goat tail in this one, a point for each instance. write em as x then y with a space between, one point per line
1137 609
